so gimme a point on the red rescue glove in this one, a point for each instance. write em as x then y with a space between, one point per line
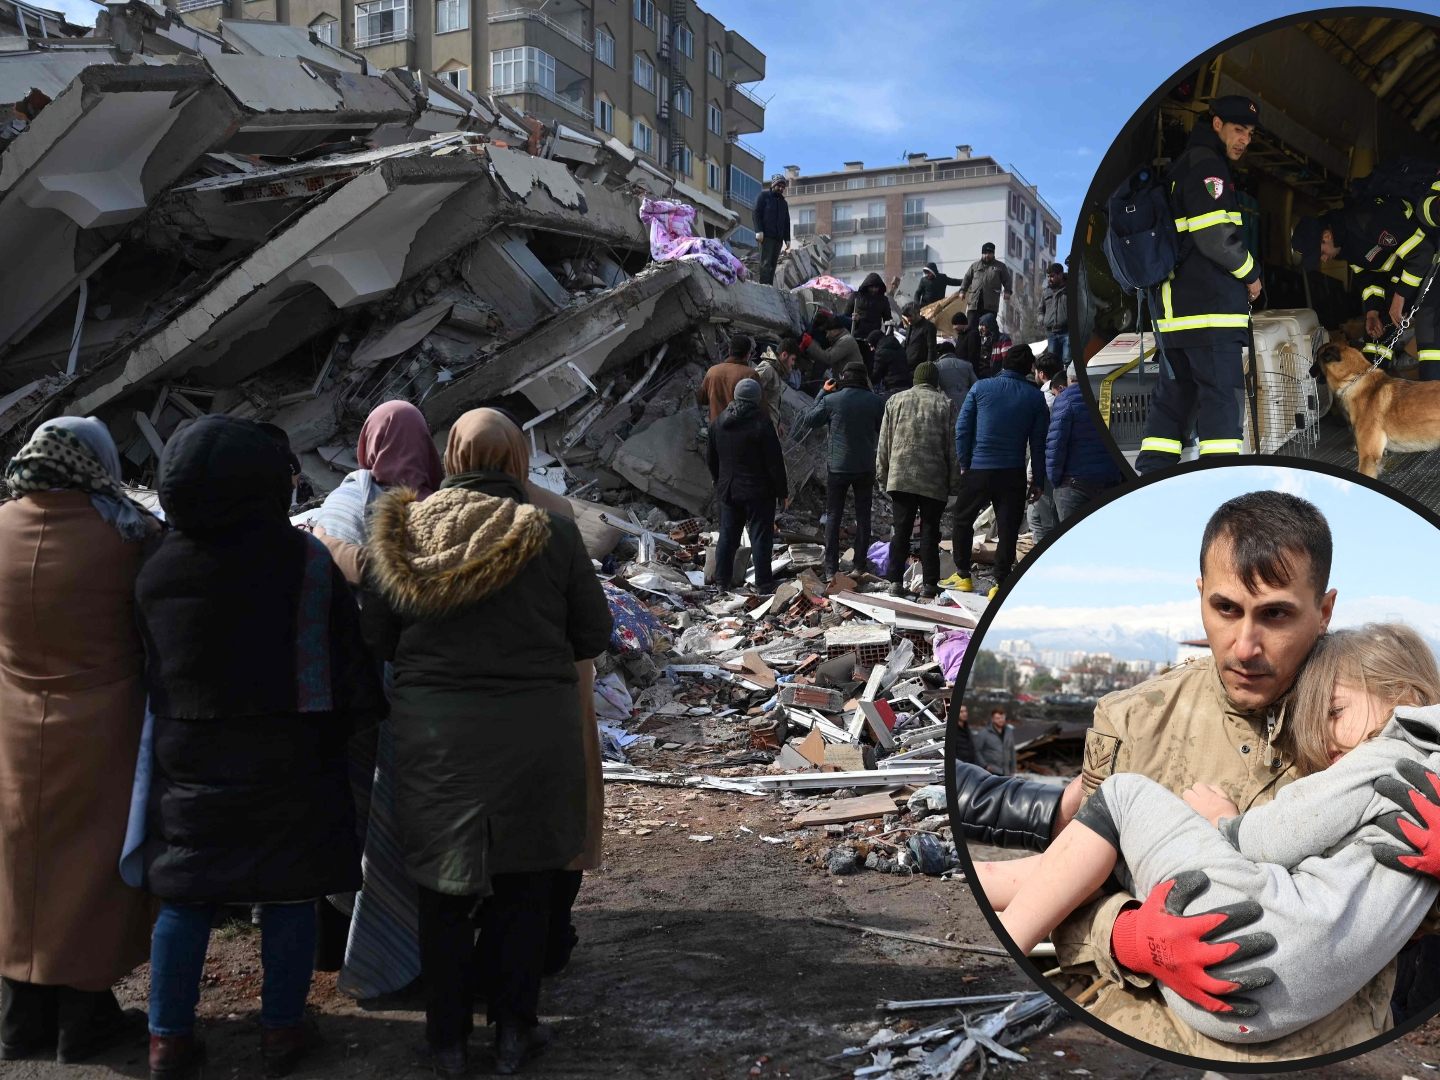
1178 950
805 342
1417 792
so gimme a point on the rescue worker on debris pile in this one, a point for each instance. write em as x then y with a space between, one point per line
984 284
1204 315
772 226
1226 720
1390 247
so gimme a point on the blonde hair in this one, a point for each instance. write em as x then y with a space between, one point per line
1387 661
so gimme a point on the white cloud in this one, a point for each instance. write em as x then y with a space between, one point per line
1303 483
1182 617
1046 573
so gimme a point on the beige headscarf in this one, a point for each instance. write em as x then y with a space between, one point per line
488 439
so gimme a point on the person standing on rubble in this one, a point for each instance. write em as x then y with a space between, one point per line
853 412
915 464
717 388
994 745
919 337
932 285
1077 459
1001 419
485 602
257 676
772 226
773 374
748 467
984 284
841 349
72 705
868 307
957 376
891 370
1055 314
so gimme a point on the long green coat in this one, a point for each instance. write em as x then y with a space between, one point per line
487 603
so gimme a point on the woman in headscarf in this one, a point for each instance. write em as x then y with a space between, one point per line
492 601
257 676
72 705
382 948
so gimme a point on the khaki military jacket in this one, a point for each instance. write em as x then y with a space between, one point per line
1180 728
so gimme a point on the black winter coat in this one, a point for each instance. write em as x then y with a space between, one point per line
772 216
892 369
869 307
920 342
746 460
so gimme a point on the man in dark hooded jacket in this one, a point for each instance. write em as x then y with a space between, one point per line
933 285
748 467
890 371
919 337
869 307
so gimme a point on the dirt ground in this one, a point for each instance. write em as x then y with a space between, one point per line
701 959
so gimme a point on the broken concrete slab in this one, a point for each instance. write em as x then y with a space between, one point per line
353 247
260 37
667 461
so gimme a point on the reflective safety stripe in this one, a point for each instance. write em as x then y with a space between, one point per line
1356 269
1202 322
1245 267
1427 210
1220 446
1429 354
1413 280
1376 349
1389 263
1166 310
1372 290
1205 221
1411 244
1160 446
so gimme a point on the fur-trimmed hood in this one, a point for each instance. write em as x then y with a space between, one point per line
430 558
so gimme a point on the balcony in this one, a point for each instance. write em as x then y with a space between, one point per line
538 16
744 112
540 90
743 61
844 227
872 260
805 228
386 37
915 258
872 224
917 221
565 40
735 140
845 262
196 5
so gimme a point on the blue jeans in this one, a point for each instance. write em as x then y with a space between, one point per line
177 962
1058 346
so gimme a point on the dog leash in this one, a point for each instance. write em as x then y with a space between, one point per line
1406 319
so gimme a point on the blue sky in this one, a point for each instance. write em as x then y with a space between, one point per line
1044 85
1133 563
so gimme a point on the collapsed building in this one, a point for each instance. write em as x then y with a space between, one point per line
253 222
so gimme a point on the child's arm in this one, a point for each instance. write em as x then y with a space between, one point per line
1316 812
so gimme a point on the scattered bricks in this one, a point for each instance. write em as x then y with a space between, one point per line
812 697
924 653
870 642
766 733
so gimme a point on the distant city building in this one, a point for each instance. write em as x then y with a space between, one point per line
667 78
893 219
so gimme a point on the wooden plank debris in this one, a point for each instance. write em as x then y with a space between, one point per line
839 811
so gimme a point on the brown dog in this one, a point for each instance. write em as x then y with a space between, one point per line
1385 413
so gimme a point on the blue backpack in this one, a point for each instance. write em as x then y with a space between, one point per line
1141 242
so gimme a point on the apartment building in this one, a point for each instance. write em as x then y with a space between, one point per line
892 220
666 78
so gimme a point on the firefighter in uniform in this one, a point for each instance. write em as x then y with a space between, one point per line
1204 315
1390 245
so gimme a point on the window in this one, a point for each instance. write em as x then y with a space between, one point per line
524 64
712 176
744 188
913 243
685 40
642 137
604 46
1013 244
914 205
645 12
875 210
685 100
683 161
664 33
457 77
715 118
324 30
844 212
844 247
1017 207
644 72
382 21
663 93
805 215
451 15
604 115
855 182
714 62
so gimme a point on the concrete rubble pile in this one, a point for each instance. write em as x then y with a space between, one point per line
830 697
253 222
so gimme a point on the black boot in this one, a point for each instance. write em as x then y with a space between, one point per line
90 1023
516 1044
1004 811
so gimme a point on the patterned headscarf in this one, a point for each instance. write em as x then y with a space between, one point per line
72 453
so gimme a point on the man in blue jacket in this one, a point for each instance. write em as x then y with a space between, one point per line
853 413
772 226
1077 461
1000 419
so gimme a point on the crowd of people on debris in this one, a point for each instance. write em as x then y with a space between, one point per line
976 418
248 667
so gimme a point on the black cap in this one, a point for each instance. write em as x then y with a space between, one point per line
1236 109
1305 241
987 249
